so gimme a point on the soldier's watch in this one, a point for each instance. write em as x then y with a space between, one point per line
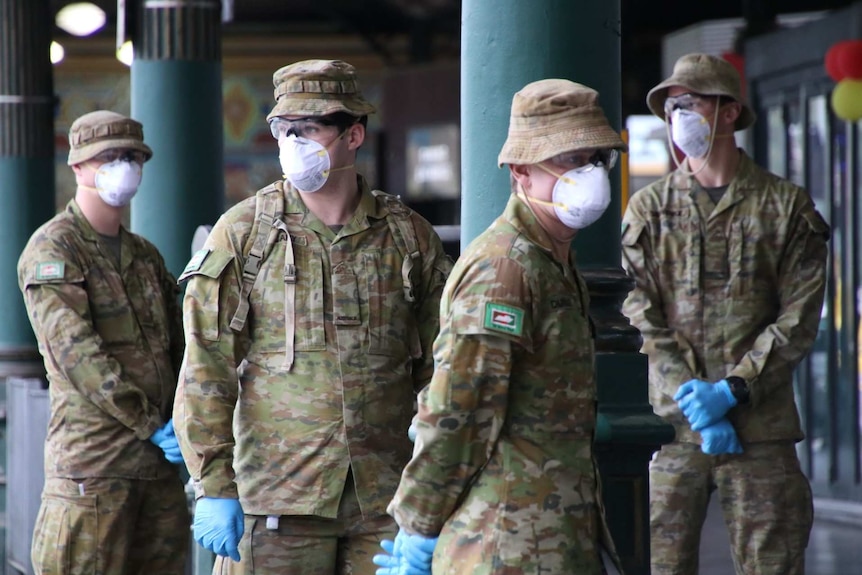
739 388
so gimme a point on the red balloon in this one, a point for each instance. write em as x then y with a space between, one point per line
850 60
831 61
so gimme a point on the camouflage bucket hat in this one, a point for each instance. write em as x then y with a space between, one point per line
706 75
553 116
93 133
318 88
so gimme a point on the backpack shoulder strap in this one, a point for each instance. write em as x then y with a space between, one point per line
268 207
404 233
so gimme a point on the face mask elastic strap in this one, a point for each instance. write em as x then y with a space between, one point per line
548 170
531 200
347 167
560 177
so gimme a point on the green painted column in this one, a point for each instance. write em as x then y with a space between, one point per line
27 182
26 155
506 44
177 95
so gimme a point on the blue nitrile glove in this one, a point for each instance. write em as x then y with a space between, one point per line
394 563
704 403
166 439
411 432
218 525
408 555
720 438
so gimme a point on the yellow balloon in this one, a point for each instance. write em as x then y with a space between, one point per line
847 100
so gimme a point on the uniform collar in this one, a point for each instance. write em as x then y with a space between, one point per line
747 178
368 207
685 182
87 230
522 218
89 234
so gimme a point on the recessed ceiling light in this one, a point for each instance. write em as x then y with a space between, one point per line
57 53
126 53
80 18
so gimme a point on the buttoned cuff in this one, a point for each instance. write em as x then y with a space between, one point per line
214 487
152 424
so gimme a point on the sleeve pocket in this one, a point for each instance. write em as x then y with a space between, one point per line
631 233
52 272
496 319
201 312
212 266
816 222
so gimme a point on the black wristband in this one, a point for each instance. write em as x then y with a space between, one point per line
739 389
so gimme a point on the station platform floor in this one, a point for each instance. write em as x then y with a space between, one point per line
833 548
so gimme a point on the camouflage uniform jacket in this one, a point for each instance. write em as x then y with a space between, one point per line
734 289
112 343
281 439
503 454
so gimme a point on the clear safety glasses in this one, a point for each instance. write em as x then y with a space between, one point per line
126 155
300 127
586 160
688 101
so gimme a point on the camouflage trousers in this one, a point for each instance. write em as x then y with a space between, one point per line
111 526
308 545
513 527
764 496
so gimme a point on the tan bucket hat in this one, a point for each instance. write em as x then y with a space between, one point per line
553 116
707 75
93 133
318 88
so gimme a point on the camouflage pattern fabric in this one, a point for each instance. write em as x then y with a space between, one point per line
112 344
312 545
732 290
284 440
116 526
503 466
765 499
729 289
318 88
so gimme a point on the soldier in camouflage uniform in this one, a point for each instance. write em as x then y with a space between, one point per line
106 314
327 294
729 262
503 469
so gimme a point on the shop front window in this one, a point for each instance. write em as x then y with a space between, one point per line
819 431
777 145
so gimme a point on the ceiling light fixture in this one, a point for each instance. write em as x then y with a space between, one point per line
81 18
126 53
57 52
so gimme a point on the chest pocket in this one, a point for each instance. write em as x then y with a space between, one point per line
391 321
112 307
310 333
147 296
675 234
753 262
567 328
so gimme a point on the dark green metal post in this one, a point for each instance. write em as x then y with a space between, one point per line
504 45
177 95
27 181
